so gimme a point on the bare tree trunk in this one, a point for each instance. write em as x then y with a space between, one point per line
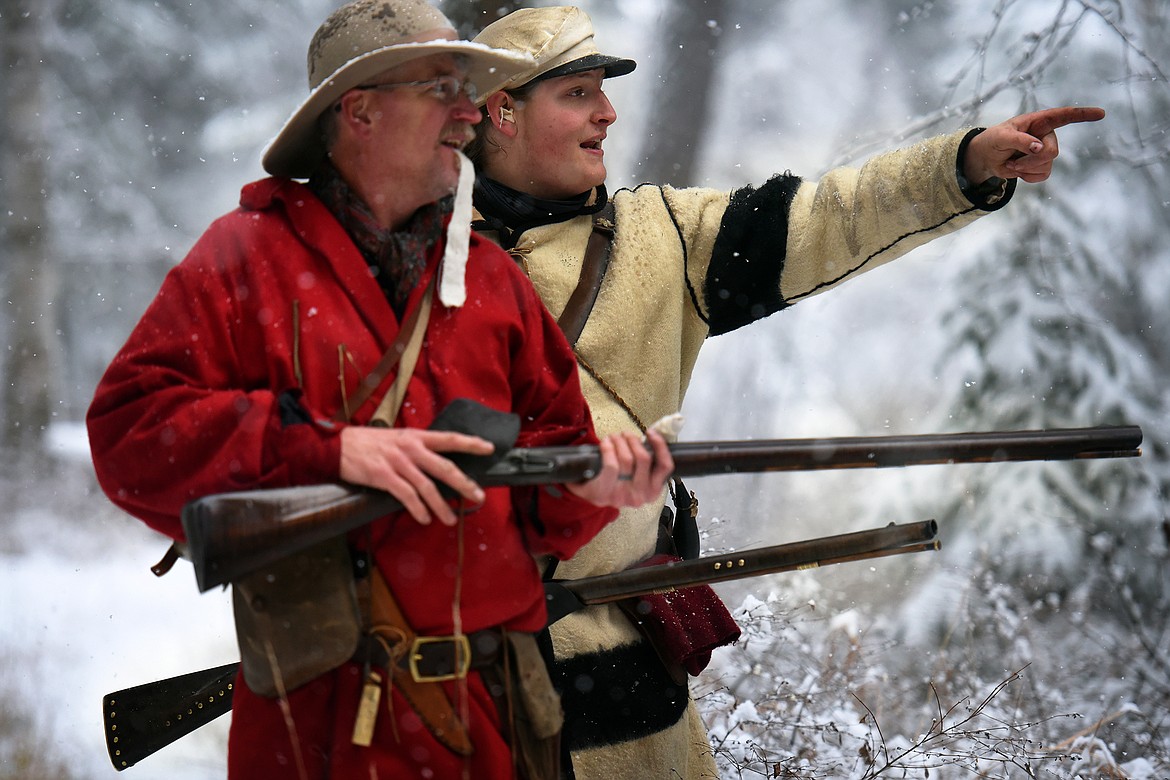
471 16
29 375
686 74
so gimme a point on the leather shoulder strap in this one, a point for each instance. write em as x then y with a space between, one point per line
597 251
411 330
387 411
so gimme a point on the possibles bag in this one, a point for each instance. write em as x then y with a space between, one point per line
297 619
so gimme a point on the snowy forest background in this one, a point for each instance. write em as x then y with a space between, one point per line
1034 644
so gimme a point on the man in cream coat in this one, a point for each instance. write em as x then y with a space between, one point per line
686 264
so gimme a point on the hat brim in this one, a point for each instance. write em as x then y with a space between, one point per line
613 66
297 151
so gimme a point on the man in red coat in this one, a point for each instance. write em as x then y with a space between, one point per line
251 369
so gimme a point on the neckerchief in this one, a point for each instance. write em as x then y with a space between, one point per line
397 258
510 212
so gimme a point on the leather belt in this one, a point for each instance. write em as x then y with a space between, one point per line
415 664
437 658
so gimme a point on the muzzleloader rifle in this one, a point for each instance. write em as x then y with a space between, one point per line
143 719
230 535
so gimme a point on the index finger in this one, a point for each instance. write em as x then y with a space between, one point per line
1041 123
449 441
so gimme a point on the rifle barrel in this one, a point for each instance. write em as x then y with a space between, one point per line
813 553
698 458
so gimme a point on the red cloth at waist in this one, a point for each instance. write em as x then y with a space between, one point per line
684 625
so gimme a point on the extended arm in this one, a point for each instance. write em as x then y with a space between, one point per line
790 239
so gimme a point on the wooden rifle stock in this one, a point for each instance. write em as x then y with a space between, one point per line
146 718
142 720
233 534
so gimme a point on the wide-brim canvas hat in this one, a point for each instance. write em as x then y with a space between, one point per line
356 43
559 39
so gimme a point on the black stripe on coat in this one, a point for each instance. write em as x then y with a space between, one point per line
743 280
616 695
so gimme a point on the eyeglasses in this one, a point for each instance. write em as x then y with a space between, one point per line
445 89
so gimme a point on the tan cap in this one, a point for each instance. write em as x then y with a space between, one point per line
559 39
356 43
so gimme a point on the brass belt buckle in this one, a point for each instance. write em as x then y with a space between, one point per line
462 658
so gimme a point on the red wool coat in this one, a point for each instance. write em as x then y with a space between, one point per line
275 304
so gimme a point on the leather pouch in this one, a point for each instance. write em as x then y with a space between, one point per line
297 619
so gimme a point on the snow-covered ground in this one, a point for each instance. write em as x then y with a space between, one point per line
83 616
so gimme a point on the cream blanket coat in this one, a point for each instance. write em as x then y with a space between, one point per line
687 264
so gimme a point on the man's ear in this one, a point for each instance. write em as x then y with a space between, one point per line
502 113
354 110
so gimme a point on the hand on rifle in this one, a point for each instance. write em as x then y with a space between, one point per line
1022 147
630 474
405 462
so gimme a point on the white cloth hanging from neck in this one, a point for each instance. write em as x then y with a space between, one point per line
452 284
